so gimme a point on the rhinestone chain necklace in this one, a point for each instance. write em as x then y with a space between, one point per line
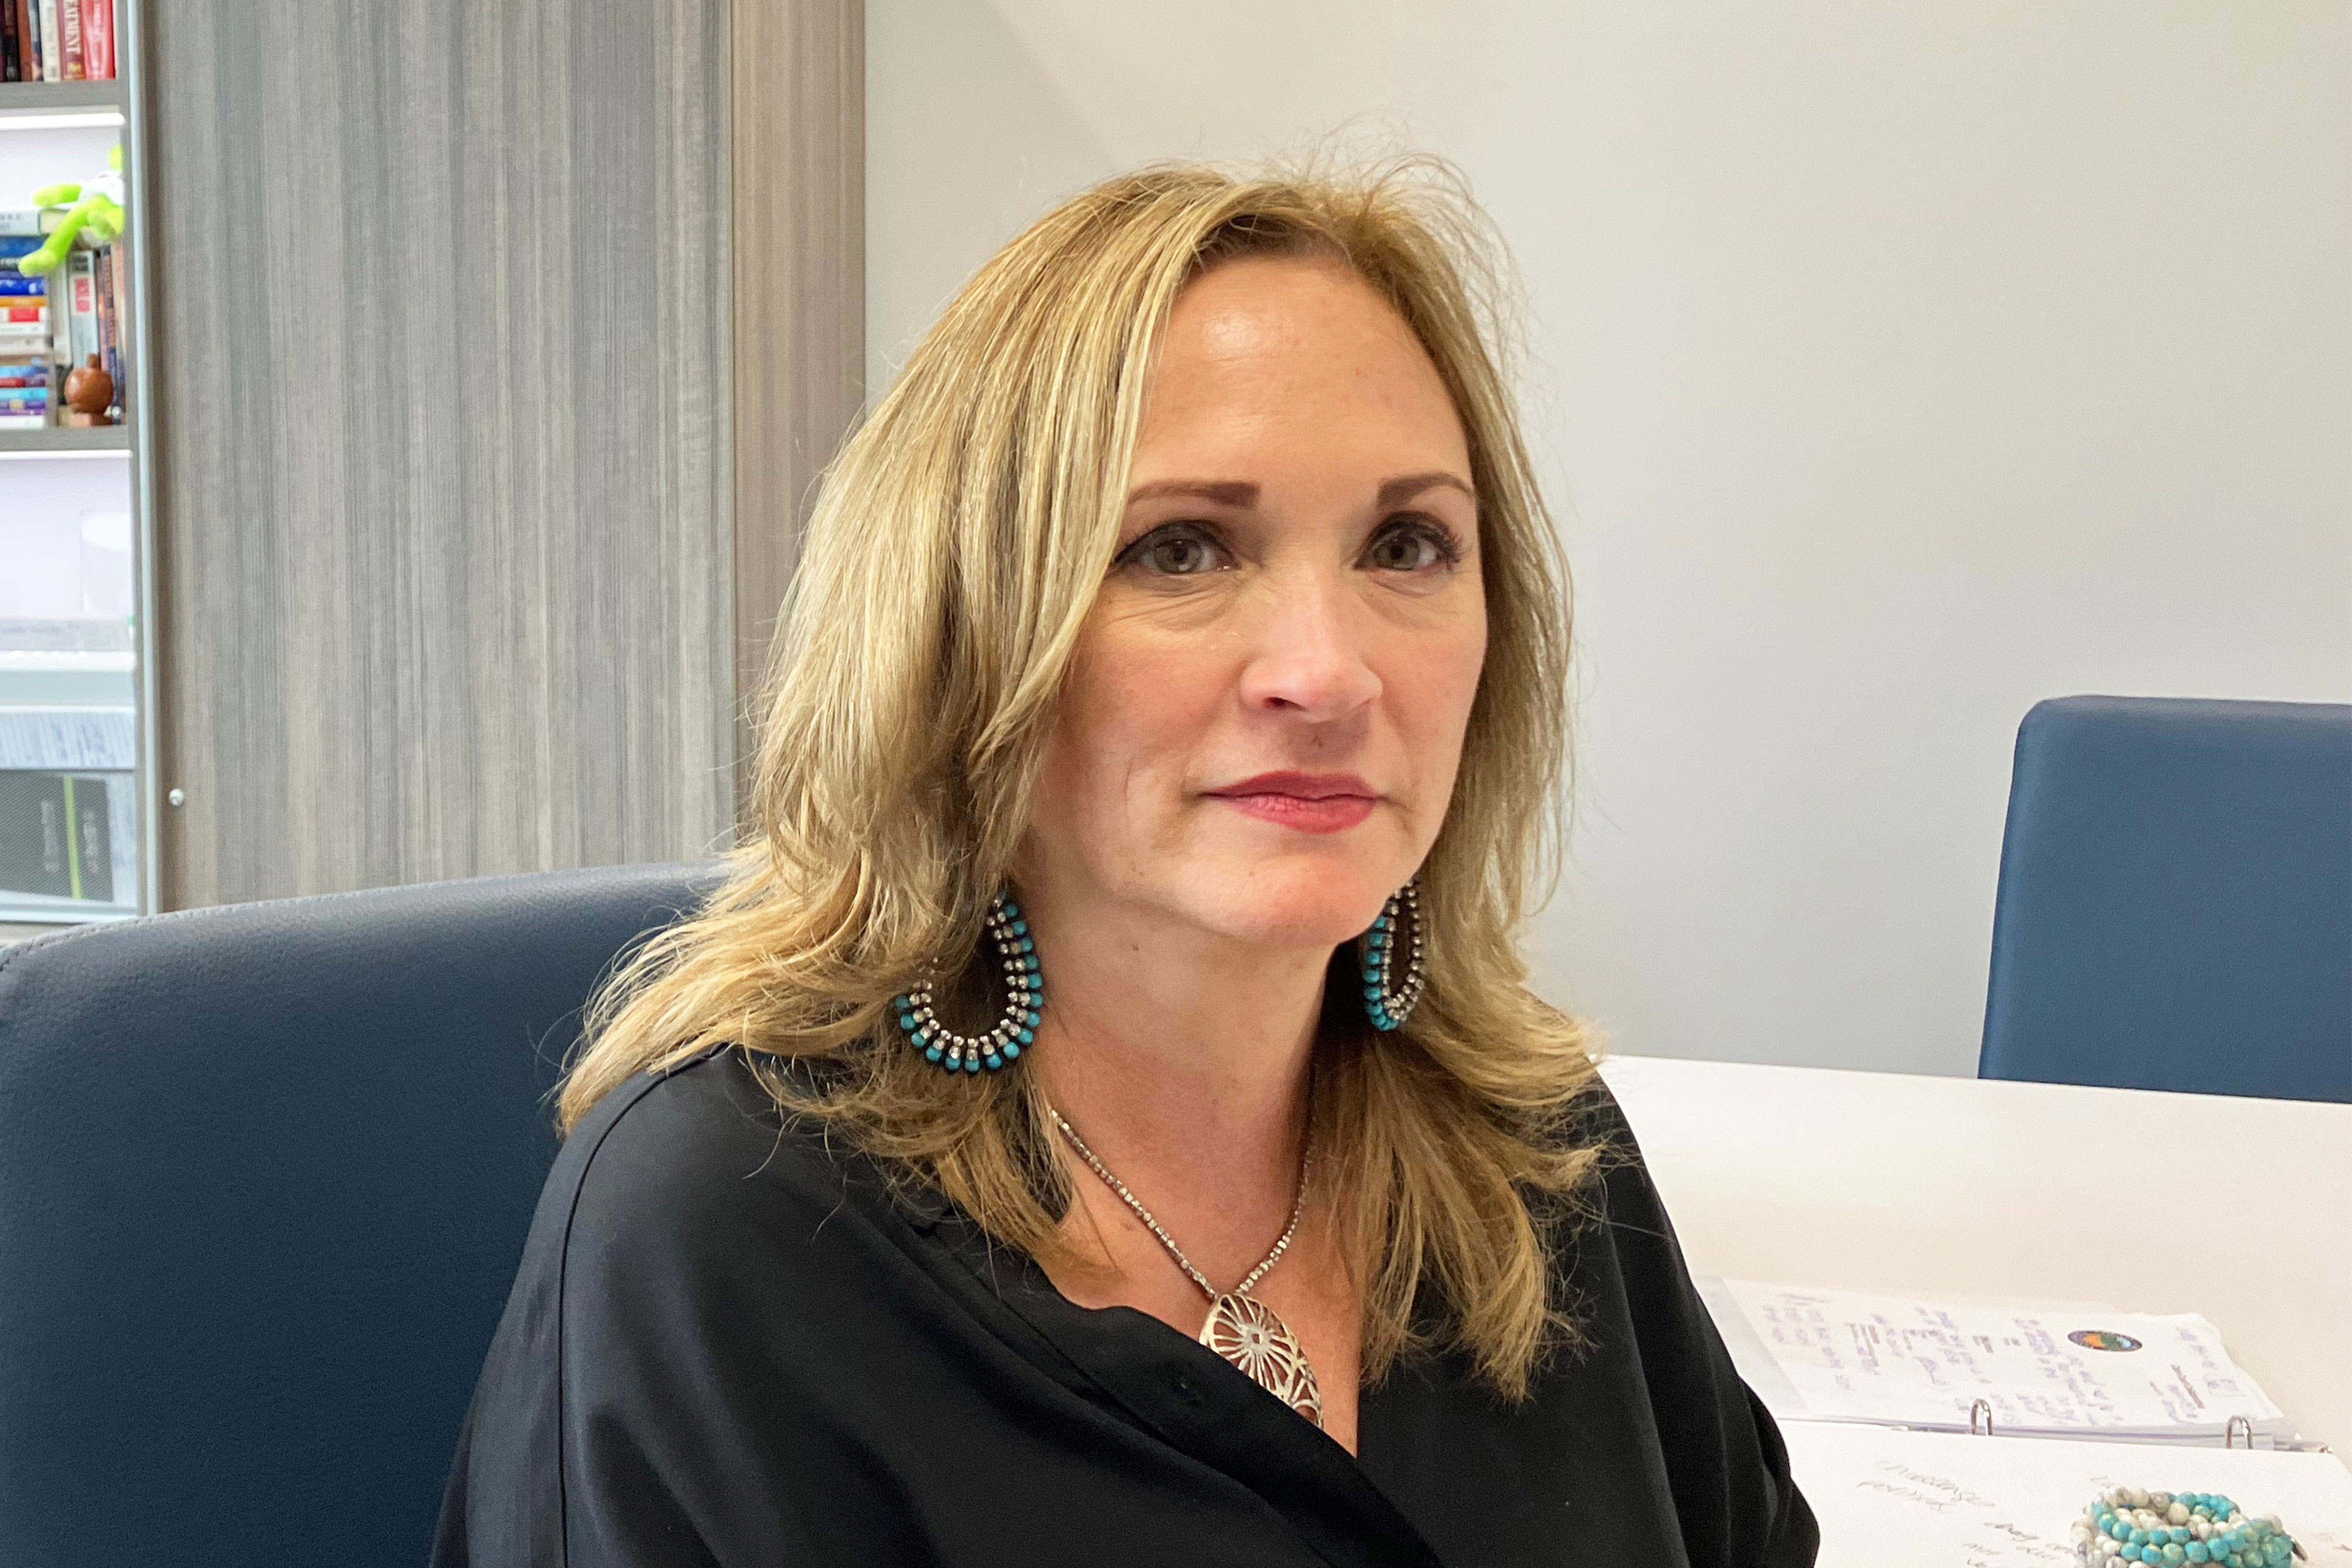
1241 1329
1297 1207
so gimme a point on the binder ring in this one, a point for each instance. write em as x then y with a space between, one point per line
1980 1411
2236 1425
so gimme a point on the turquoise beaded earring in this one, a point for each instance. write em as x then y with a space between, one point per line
1024 1003
1388 1004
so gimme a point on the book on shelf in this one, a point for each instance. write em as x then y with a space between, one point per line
110 320
61 849
28 371
67 740
62 321
79 338
56 837
98 39
56 40
28 39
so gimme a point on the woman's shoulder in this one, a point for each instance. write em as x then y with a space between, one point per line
1615 1211
1591 1126
696 1163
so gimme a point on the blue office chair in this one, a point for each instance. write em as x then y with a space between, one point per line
2176 898
265 1176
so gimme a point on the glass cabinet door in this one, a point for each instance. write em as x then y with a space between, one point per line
69 676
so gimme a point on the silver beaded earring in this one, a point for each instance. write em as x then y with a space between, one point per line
1389 1002
1025 1003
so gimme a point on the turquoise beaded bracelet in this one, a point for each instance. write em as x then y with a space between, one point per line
2129 1525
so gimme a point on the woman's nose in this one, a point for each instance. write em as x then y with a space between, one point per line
1310 655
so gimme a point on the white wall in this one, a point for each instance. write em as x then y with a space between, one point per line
1897 366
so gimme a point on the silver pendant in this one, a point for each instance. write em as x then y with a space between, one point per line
1245 1332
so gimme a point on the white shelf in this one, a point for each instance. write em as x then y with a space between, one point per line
31 909
66 661
59 105
58 441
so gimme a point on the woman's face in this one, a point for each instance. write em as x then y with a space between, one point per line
1261 730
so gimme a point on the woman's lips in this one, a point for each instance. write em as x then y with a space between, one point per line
1310 802
1329 814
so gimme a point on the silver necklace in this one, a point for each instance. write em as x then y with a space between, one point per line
1241 1328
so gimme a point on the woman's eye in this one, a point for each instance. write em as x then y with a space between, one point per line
1411 547
1175 552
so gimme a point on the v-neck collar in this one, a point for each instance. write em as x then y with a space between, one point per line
1201 1405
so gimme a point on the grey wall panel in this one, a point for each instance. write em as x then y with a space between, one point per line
799 172
445 562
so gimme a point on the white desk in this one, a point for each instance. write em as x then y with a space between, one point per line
1958 1187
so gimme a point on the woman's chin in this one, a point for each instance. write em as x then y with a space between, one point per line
1293 904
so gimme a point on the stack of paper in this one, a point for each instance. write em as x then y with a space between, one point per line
1933 1499
1840 1355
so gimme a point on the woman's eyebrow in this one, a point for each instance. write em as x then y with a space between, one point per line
1404 487
1226 492
1245 492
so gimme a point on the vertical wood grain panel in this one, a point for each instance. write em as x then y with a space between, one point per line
446 561
799 176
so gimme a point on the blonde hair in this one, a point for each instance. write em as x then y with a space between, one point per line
955 549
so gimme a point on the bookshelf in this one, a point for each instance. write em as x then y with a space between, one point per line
75 711
455 526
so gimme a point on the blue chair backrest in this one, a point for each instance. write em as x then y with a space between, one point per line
2176 898
265 1176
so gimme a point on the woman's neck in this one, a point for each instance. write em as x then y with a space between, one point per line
1183 1059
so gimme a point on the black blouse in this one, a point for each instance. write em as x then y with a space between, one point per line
729 1345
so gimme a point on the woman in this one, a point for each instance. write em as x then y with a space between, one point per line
1102 1119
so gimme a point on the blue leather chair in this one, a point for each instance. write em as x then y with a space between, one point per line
265 1176
2176 898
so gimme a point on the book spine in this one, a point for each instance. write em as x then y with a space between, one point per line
17 309
80 338
53 54
118 316
11 67
38 328
70 15
98 39
28 45
106 314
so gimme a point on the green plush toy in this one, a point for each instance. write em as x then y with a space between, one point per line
96 210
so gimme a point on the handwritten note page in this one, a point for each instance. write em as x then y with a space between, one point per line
1889 1499
1855 1357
